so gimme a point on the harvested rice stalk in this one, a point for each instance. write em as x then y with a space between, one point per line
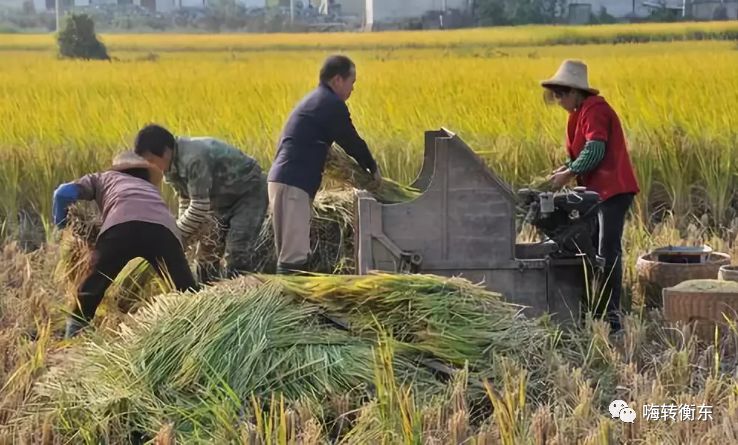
331 236
542 183
447 318
84 221
204 243
197 360
78 239
342 170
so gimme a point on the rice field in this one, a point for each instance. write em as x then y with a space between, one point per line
675 92
64 118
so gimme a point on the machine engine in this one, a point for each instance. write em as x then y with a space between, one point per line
567 219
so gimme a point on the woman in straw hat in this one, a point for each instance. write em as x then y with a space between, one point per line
598 160
136 223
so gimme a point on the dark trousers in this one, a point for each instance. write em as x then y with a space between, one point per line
119 245
611 223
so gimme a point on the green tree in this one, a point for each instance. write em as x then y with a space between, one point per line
77 40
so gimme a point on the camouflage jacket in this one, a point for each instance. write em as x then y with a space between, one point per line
207 168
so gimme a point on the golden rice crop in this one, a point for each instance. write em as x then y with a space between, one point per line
499 36
64 118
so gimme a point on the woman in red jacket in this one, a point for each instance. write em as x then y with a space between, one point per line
598 160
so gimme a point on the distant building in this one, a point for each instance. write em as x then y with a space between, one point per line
356 8
98 2
43 5
252 3
388 11
580 11
158 5
713 9
192 4
50 5
170 5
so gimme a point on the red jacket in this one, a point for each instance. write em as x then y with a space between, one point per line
596 120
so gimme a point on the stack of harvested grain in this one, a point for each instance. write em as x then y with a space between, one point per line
331 236
450 319
198 360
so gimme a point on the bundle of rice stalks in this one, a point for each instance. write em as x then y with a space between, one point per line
446 318
77 242
542 184
206 242
331 237
199 360
342 170
84 221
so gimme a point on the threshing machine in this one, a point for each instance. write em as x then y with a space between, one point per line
464 223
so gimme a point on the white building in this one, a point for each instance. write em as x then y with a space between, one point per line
252 3
579 11
49 5
353 7
379 11
43 5
170 5
620 8
711 9
158 5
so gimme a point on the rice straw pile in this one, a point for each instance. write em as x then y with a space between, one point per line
331 237
199 360
450 319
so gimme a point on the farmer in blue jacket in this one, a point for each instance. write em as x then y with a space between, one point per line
319 120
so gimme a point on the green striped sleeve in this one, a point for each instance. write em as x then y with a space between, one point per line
589 158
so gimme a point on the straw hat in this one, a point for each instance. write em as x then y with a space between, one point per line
573 74
129 160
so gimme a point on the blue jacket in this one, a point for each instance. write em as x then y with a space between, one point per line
319 120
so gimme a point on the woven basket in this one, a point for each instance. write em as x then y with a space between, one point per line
706 309
728 273
655 276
